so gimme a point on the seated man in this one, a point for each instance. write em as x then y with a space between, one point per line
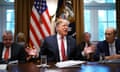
110 46
85 48
86 40
59 47
10 51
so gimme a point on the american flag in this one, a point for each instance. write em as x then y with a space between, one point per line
39 23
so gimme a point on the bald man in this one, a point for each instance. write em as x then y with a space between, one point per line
10 51
110 47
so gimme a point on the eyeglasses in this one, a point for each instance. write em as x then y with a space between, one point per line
108 33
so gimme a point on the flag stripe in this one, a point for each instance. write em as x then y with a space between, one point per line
35 13
39 23
46 23
33 42
45 31
34 33
47 13
36 29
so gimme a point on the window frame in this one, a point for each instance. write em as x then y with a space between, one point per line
94 7
4 6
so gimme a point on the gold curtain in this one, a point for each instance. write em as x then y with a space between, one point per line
78 8
22 16
118 16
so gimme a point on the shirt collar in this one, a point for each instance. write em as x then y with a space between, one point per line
112 43
59 36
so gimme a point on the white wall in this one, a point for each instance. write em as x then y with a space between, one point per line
52 6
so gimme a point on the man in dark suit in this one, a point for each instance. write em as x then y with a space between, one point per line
10 51
110 47
52 47
86 41
85 48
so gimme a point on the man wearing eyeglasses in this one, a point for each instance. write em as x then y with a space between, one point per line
110 46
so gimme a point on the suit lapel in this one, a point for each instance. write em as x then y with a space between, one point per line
117 46
106 48
1 50
68 46
56 49
55 43
12 51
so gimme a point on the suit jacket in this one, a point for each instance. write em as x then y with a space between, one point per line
17 53
82 45
80 48
103 47
50 48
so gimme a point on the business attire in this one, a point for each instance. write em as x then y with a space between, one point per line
51 48
84 44
104 47
16 52
80 48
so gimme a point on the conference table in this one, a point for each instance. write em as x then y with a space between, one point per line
85 67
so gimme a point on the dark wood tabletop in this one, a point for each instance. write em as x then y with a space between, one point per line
87 67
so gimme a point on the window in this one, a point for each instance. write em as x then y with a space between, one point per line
7 16
10 19
98 15
9 0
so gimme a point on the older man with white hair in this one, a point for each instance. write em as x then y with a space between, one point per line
110 47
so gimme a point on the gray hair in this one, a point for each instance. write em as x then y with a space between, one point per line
7 33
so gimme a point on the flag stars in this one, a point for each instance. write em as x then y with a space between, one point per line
39 11
37 7
41 3
43 8
38 3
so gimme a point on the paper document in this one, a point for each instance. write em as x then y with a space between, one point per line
111 61
13 62
3 66
68 63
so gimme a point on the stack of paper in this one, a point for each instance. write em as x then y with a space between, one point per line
3 67
68 63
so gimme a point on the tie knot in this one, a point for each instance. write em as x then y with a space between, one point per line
62 37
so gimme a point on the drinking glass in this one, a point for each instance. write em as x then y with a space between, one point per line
43 61
101 57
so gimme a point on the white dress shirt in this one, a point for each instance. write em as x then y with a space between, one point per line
59 45
3 54
112 49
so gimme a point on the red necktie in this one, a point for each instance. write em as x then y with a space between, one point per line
63 50
6 55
